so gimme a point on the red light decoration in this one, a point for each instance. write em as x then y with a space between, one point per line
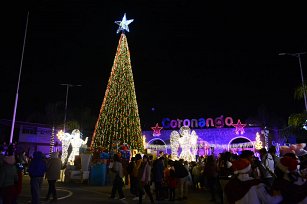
156 130
239 128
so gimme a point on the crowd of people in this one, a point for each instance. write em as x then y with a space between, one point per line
259 177
249 177
267 178
14 165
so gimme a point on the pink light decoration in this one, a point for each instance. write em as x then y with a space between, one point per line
156 130
239 128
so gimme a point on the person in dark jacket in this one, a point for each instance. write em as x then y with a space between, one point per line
118 182
8 177
158 177
133 178
210 171
37 169
54 165
182 175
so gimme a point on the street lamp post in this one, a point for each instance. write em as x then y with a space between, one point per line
65 112
298 55
19 75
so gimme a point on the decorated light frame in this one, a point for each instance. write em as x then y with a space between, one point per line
240 144
156 147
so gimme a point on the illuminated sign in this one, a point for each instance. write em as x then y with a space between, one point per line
218 122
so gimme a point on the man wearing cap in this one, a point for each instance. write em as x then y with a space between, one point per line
242 188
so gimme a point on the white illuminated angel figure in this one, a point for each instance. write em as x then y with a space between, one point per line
187 141
174 142
76 142
185 144
194 138
65 140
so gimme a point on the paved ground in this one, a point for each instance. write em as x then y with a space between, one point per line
82 193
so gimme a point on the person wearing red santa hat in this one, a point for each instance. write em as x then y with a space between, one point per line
292 186
243 189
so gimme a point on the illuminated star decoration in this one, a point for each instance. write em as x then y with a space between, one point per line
123 24
239 128
156 130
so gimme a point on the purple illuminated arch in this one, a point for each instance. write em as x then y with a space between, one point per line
238 138
154 139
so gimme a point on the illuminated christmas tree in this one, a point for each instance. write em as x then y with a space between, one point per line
119 120
258 143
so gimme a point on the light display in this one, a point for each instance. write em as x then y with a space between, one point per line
206 145
193 140
119 119
239 128
187 140
65 140
163 147
265 133
158 147
76 142
51 142
221 139
258 143
174 138
156 130
144 141
123 24
74 139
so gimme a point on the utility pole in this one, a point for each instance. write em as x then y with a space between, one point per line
18 83
67 90
298 55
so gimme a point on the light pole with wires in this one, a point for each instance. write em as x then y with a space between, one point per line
298 55
65 112
19 75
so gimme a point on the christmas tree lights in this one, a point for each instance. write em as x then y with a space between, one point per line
119 119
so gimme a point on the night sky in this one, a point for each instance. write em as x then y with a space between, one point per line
188 60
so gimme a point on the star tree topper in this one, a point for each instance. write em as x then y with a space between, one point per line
123 24
239 128
156 130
